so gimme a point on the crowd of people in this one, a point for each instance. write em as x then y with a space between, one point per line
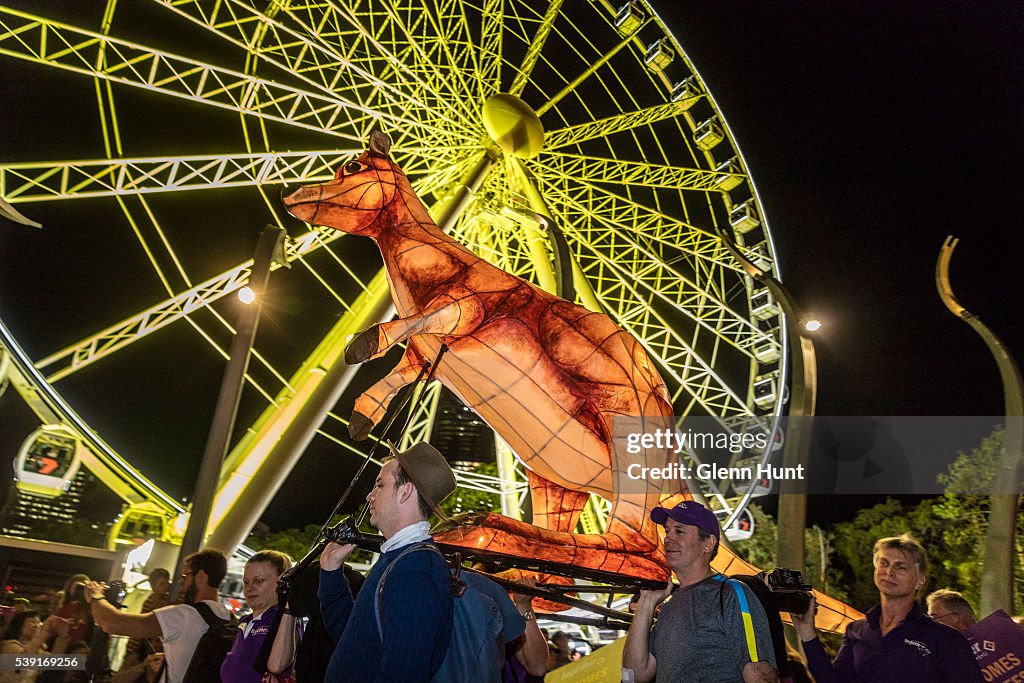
406 620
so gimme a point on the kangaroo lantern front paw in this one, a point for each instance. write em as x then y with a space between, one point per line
359 426
363 346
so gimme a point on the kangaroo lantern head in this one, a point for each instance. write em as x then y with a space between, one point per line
353 202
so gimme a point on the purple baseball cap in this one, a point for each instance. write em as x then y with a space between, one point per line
689 512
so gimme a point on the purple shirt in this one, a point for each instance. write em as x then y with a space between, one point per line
237 666
919 650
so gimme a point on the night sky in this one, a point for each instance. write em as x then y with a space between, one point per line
872 131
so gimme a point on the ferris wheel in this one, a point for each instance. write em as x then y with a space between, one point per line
571 143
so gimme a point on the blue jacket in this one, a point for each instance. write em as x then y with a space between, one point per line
416 617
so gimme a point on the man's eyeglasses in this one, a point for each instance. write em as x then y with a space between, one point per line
940 617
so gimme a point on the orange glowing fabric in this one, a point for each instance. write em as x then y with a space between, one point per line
547 375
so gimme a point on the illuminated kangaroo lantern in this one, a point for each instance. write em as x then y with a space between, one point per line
547 375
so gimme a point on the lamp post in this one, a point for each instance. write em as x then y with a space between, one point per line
997 577
268 249
792 515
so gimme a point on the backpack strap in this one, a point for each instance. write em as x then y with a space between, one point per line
748 621
207 614
380 585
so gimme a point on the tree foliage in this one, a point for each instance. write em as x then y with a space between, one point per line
965 516
951 527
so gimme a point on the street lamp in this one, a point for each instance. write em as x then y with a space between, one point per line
270 248
792 515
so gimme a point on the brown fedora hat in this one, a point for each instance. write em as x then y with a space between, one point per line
429 472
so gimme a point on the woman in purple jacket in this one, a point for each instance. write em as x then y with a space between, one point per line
260 579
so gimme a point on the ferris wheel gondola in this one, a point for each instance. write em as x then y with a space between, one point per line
48 461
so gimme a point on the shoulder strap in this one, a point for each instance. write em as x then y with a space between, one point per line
380 585
748 621
207 614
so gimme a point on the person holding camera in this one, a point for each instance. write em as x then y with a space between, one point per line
400 631
260 577
712 628
896 641
179 627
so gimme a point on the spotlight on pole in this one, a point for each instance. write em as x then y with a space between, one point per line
812 325
246 295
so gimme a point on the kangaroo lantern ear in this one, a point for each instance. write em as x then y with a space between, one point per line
380 144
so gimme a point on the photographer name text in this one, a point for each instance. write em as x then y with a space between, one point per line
711 471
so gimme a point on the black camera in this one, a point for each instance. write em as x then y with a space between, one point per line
115 593
789 593
343 532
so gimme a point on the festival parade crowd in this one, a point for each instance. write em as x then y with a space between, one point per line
402 622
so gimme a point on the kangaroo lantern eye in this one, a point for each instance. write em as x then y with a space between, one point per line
348 168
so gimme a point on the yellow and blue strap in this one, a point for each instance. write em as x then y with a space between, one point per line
748 621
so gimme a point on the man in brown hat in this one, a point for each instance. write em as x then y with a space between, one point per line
402 631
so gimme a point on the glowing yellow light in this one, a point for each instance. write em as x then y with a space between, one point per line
812 325
246 295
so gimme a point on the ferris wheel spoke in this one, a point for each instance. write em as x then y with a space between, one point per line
64 180
45 181
533 52
634 218
404 41
296 54
339 33
404 58
57 45
113 338
491 34
105 342
704 306
618 172
461 35
443 26
641 220
607 127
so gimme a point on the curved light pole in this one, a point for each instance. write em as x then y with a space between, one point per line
997 577
792 515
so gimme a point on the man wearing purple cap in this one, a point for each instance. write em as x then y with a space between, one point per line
713 629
